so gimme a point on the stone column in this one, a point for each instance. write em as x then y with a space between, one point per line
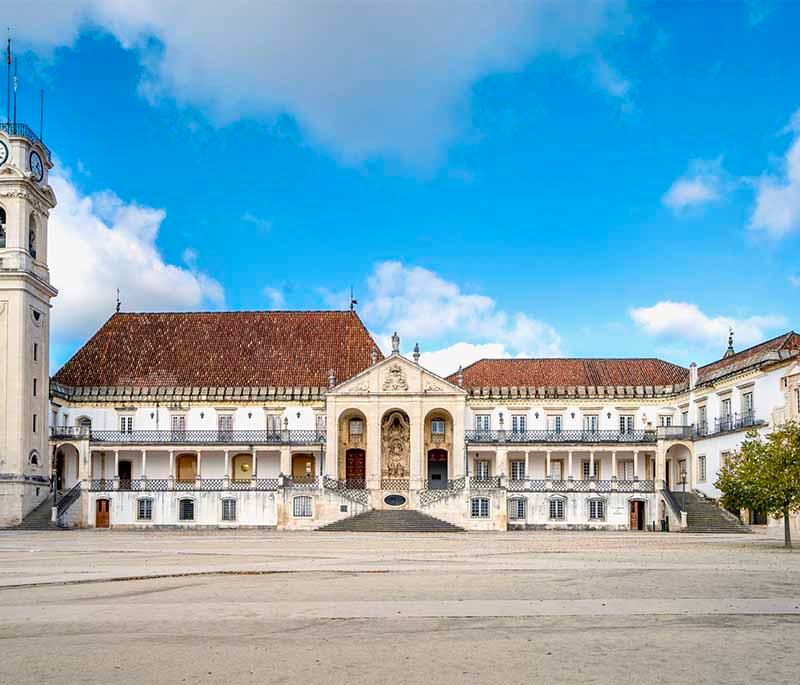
501 461
636 464
199 463
116 469
144 464
613 465
570 474
547 471
255 464
286 460
591 464
227 473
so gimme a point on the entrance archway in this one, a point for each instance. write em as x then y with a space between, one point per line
102 513
437 469
186 467
303 467
636 509
355 468
242 467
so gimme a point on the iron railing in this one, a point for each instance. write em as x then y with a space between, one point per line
727 424
68 499
395 484
173 485
603 486
359 495
301 482
675 432
69 432
560 437
485 483
454 487
209 437
24 131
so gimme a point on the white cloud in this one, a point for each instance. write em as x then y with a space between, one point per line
422 306
276 298
703 183
777 210
99 243
607 78
263 225
794 281
361 78
682 321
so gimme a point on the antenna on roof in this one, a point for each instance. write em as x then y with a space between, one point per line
119 302
353 300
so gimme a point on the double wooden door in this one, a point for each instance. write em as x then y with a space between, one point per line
355 467
102 518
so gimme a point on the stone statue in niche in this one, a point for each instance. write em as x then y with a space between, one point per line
395 378
396 446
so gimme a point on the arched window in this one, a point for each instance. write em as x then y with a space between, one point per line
2 227
32 237
302 507
84 422
186 510
558 508
34 458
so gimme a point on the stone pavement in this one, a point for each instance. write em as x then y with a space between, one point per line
100 606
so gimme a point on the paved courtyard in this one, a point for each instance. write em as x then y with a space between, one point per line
96 606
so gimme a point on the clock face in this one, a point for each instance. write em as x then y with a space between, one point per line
37 168
3 153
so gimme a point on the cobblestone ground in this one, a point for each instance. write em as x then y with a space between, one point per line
97 606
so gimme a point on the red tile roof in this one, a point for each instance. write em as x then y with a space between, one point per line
789 342
240 349
521 373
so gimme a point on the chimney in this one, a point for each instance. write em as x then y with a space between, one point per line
692 376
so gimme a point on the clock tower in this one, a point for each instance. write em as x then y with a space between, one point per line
25 293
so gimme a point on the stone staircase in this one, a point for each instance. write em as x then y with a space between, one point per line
396 521
705 517
39 518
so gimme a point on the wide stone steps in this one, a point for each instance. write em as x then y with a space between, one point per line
704 517
401 521
39 518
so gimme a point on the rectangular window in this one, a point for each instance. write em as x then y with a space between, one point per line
590 422
797 399
483 422
229 510
225 423
723 458
516 509
702 417
186 510
36 352
437 426
479 508
517 470
685 418
726 408
126 424
519 423
597 510
585 471
626 423
747 404
34 423
356 427
557 469
701 468
35 380
554 423
273 423
302 507
557 509
177 423
665 421
627 470
482 469
322 423
144 509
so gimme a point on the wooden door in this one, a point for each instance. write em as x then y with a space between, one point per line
102 518
634 518
355 467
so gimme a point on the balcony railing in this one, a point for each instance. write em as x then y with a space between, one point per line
560 437
172 485
727 424
24 131
209 437
69 432
675 432
600 486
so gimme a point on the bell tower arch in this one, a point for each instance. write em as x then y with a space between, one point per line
26 200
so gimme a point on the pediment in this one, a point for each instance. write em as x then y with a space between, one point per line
396 375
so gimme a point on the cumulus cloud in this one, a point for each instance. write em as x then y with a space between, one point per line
276 298
360 78
794 281
98 243
422 306
681 321
703 183
611 81
777 208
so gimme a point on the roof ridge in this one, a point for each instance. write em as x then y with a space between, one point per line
786 337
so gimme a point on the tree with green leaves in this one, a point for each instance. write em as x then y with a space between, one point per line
764 475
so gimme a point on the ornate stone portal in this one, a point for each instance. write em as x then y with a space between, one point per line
395 445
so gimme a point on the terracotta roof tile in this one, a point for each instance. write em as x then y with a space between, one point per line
571 372
236 349
788 341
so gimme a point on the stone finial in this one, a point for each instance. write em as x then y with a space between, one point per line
460 377
692 376
416 353
729 352
374 356
331 378
395 343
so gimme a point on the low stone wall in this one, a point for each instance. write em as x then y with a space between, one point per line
327 507
19 496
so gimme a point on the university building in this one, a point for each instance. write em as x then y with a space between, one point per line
296 420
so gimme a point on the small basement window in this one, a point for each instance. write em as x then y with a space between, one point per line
479 508
229 510
186 510
144 509
303 507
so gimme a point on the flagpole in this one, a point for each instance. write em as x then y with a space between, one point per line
15 92
8 69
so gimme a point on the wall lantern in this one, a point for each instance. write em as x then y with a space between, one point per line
298 415
608 415
152 414
572 415
202 415
536 414
249 415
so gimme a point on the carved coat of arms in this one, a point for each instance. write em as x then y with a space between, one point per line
395 378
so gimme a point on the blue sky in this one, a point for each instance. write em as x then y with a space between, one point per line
553 179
